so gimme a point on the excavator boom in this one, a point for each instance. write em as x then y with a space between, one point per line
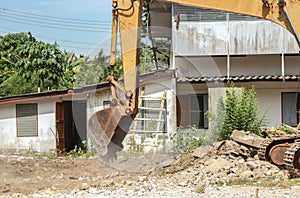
107 128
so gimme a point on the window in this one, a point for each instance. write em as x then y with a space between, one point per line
290 108
26 120
191 110
198 107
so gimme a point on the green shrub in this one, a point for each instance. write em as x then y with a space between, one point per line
238 111
187 140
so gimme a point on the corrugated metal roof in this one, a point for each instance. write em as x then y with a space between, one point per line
238 78
78 91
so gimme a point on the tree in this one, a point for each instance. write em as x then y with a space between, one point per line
96 70
36 63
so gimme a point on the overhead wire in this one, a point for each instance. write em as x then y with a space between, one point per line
55 27
55 17
63 23
59 23
56 39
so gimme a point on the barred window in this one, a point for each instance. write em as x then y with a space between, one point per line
27 120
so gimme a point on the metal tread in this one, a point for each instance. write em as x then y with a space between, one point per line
289 158
263 149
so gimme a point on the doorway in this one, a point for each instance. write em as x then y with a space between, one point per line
71 125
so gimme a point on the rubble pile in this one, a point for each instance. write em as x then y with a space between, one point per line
226 161
207 172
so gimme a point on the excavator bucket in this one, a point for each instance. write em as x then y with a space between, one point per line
107 129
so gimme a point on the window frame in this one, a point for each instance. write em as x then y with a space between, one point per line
297 107
18 119
201 111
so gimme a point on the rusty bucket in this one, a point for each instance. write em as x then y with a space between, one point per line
107 129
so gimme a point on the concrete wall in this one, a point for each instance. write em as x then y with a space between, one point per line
201 66
156 88
268 96
44 142
255 65
152 88
248 65
235 37
292 65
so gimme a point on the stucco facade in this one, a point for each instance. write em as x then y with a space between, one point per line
44 141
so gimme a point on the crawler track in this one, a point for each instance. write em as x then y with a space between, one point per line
291 159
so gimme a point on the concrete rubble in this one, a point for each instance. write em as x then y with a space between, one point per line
207 172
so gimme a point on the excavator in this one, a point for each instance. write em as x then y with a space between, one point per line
107 128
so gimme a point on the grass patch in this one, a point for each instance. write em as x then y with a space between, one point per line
185 161
263 182
200 189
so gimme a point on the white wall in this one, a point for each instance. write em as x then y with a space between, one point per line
245 37
268 95
156 88
44 142
255 65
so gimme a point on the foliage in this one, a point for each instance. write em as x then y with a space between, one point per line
238 111
266 182
47 155
286 129
200 188
33 64
79 152
147 60
93 71
133 146
187 140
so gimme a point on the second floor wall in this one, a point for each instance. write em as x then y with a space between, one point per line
232 37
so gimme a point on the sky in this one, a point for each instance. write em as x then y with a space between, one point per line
80 26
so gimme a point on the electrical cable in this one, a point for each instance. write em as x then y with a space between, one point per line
54 39
47 16
51 23
55 27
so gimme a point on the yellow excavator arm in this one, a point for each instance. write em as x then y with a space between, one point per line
108 127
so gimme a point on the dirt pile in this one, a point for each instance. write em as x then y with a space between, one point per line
206 172
220 163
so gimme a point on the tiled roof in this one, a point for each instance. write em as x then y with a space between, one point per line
238 78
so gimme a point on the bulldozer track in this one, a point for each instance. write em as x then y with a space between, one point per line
263 149
290 158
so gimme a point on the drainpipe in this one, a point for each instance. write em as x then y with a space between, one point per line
228 46
282 66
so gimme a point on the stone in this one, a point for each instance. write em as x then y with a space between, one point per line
84 186
209 161
202 151
251 165
216 166
142 178
218 145
246 174
241 161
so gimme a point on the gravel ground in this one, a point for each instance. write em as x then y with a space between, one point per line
146 176
173 191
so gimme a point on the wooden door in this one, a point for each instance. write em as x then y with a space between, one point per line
60 132
183 111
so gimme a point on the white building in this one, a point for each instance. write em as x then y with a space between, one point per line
43 122
208 50
211 49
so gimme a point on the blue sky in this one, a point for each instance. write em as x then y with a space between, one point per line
46 20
